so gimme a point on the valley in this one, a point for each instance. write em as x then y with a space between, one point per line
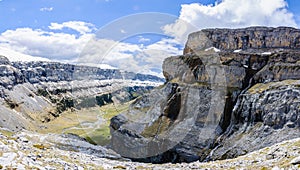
89 123
230 101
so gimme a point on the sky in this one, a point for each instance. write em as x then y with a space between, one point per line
133 35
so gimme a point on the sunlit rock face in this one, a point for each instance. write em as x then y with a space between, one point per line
231 92
245 38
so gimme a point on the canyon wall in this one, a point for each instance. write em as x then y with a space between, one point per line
40 91
233 91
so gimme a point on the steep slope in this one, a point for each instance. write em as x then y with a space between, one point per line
232 92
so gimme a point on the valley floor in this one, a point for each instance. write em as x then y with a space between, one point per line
28 150
89 123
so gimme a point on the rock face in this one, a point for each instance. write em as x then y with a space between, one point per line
36 72
40 91
230 93
247 38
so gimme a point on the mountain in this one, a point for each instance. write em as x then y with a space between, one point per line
233 91
39 91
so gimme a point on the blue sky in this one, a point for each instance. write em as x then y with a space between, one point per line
40 13
140 33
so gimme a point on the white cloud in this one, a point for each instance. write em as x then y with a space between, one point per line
130 57
154 54
43 43
48 9
79 26
16 56
230 14
86 49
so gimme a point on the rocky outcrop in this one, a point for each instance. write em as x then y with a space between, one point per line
246 38
265 114
41 91
231 92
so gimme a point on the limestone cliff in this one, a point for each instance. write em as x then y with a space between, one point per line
231 92
40 91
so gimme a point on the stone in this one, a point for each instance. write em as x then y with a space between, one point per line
295 161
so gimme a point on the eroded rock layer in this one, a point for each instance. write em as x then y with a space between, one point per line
230 93
41 91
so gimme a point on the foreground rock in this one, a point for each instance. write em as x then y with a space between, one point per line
27 150
231 93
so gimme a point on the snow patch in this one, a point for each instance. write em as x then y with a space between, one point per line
213 48
266 53
237 51
102 66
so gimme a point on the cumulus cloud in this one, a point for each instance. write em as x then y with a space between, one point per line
87 49
79 26
127 56
43 43
230 14
48 9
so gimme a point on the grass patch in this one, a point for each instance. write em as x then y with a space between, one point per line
261 87
101 135
91 124
112 110
41 146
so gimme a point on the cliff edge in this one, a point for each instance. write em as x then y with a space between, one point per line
233 91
